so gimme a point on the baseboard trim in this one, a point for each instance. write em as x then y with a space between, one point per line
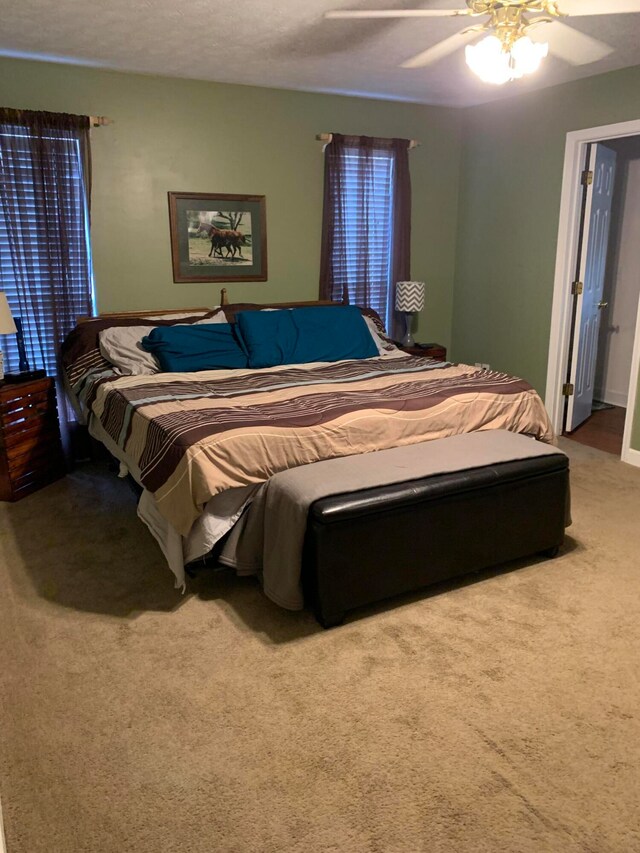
631 457
613 398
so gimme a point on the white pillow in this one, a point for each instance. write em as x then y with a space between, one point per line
384 346
122 346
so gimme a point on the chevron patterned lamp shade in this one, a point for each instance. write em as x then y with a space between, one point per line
409 299
410 296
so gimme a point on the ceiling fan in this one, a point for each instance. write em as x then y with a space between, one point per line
512 47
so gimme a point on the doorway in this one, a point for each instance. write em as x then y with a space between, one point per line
613 269
595 336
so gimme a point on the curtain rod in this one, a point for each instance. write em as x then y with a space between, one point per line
100 121
327 137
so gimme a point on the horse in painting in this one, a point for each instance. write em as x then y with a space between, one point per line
223 238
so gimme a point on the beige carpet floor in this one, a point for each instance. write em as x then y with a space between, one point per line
499 714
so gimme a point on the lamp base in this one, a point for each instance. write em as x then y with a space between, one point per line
24 376
408 341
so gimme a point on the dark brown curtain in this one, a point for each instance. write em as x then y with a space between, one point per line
44 205
355 192
45 259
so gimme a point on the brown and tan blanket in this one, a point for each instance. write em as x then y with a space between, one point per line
192 436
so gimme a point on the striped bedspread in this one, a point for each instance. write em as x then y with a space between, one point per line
192 436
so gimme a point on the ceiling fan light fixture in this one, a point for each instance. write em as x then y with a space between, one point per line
489 61
496 63
526 55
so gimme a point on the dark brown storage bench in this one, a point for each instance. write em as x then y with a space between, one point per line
373 544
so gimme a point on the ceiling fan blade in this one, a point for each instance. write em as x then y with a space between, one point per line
397 13
571 45
578 8
440 50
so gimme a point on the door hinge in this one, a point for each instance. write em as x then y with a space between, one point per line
576 288
567 389
587 178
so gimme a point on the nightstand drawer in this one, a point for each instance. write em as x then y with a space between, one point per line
42 428
35 453
30 448
34 480
15 412
21 391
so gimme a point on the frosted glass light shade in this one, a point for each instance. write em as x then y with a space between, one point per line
526 55
7 325
494 64
410 296
489 61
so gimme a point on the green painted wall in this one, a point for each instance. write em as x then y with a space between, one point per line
510 187
496 237
184 135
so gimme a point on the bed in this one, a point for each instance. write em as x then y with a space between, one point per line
201 444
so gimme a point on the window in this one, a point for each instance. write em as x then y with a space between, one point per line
45 262
366 222
368 232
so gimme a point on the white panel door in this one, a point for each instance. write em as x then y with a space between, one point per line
596 226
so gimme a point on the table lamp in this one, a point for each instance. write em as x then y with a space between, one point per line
409 300
7 326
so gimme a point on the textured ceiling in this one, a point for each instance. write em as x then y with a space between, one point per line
284 44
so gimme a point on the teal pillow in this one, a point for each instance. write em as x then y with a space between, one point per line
303 335
206 346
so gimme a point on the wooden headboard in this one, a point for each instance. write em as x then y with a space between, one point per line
224 301
117 315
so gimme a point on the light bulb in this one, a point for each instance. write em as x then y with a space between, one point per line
493 64
527 55
488 60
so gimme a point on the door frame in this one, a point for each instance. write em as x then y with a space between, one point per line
561 312
3 843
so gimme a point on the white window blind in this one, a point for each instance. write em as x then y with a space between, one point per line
367 200
39 254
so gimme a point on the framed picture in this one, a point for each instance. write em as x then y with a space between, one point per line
216 237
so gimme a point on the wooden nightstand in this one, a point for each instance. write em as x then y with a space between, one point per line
436 351
30 448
